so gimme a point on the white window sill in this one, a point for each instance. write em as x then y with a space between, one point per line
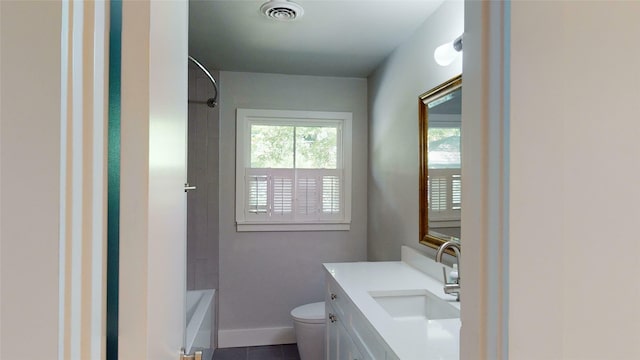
434 224
242 227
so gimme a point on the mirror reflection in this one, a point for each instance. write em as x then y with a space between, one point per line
440 163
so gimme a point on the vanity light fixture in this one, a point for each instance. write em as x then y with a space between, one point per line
447 52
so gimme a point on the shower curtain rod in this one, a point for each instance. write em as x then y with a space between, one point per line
211 102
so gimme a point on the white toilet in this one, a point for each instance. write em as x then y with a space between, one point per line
309 325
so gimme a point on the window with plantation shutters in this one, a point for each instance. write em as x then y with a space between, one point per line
293 170
444 185
445 195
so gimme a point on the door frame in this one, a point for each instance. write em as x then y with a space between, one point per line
485 287
153 173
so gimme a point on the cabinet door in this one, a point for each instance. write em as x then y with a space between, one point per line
339 344
332 336
346 348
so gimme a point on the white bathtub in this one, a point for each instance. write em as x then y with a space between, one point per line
200 321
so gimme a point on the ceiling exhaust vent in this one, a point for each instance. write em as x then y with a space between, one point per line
282 10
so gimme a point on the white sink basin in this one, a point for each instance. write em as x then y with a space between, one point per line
414 305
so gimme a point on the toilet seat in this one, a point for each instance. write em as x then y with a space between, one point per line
313 313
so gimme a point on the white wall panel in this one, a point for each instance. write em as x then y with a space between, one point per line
29 177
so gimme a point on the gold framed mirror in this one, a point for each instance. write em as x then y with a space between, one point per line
440 120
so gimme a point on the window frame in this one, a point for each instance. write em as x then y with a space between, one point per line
245 118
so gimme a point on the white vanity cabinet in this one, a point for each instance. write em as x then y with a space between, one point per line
390 310
349 334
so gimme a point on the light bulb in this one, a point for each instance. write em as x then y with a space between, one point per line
445 54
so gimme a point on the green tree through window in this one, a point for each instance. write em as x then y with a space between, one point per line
287 147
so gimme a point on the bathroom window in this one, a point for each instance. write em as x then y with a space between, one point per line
293 170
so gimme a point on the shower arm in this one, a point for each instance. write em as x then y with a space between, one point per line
211 102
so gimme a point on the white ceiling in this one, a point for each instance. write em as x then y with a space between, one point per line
333 38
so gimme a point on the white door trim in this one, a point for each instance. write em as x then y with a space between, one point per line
485 111
82 229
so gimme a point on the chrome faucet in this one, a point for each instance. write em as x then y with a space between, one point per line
450 288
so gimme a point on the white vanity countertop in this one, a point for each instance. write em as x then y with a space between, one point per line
432 339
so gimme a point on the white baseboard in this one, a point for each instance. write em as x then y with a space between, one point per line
256 337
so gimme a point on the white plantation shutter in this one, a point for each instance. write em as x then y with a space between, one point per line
332 195
272 196
319 194
282 190
307 195
257 185
445 194
437 193
456 192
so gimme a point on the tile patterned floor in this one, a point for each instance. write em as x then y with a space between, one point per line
269 352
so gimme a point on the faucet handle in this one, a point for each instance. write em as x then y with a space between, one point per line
444 275
454 274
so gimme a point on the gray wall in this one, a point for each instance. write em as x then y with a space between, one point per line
263 275
393 131
202 172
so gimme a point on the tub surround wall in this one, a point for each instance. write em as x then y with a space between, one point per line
393 131
264 275
202 172
200 320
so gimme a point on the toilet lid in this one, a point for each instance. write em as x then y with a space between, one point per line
309 313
